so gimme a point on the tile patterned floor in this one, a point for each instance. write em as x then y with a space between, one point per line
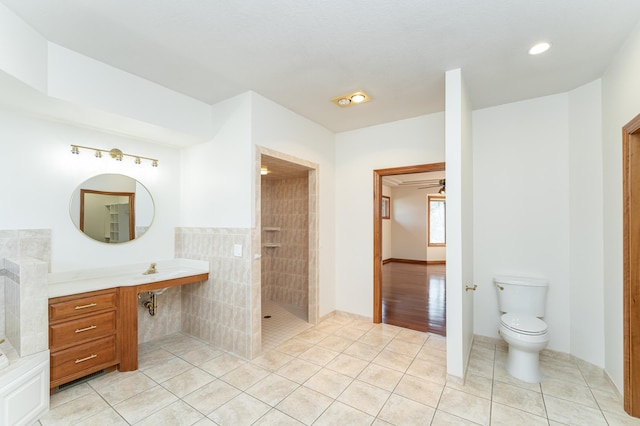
340 372
283 322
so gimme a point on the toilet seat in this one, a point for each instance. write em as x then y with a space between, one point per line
524 324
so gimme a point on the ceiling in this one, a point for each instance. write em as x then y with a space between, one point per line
428 181
301 54
282 169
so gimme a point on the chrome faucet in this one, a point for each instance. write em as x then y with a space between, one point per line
151 270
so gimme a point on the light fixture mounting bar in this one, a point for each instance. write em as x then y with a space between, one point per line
114 153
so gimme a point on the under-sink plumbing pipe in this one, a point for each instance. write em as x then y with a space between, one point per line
151 305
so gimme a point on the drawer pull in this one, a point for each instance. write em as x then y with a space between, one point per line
80 330
90 305
92 356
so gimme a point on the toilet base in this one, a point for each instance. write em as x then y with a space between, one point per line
524 365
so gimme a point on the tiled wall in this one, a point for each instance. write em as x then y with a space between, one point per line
35 243
285 213
27 302
167 318
220 310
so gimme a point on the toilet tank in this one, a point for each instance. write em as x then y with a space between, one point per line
521 295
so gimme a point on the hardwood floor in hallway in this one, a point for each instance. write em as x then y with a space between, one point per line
414 296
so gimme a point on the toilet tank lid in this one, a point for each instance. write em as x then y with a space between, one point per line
521 280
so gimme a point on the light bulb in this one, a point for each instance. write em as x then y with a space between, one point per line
539 48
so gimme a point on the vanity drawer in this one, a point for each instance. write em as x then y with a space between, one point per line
83 359
70 306
82 329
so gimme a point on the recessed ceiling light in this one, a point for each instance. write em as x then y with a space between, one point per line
352 98
539 48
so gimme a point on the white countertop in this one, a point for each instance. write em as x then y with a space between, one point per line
80 281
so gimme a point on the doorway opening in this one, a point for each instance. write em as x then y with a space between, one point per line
409 290
287 245
631 265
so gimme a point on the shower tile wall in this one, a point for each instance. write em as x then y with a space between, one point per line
34 243
219 310
285 269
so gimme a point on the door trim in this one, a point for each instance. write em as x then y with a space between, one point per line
631 268
377 226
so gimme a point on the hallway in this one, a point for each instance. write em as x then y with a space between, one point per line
414 296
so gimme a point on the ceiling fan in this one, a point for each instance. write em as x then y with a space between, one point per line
441 183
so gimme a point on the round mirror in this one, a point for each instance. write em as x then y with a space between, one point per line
112 208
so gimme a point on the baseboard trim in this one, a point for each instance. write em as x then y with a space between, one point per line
415 262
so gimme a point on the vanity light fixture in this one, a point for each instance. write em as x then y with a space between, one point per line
358 97
114 153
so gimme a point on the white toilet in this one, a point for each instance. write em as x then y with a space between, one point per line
522 301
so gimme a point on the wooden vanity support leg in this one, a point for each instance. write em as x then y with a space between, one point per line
128 328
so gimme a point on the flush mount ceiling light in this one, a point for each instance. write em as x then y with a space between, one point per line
114 153
352 98
539 48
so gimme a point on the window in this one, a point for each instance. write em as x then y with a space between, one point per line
436 220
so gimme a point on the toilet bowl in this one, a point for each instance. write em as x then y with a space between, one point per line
522 301
526 337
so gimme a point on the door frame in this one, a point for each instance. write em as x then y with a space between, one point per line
377 225
631 267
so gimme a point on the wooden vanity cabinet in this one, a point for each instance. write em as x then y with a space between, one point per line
83 336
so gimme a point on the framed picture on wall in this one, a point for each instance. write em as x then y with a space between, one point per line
386 207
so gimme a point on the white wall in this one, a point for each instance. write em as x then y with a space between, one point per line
409 223
521 206
459 216
585 225
620 104
39 175
23 51
409 142
217 175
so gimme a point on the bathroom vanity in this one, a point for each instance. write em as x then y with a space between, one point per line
93 315
82 334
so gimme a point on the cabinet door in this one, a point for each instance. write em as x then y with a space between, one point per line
83 329
84 359
65 307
